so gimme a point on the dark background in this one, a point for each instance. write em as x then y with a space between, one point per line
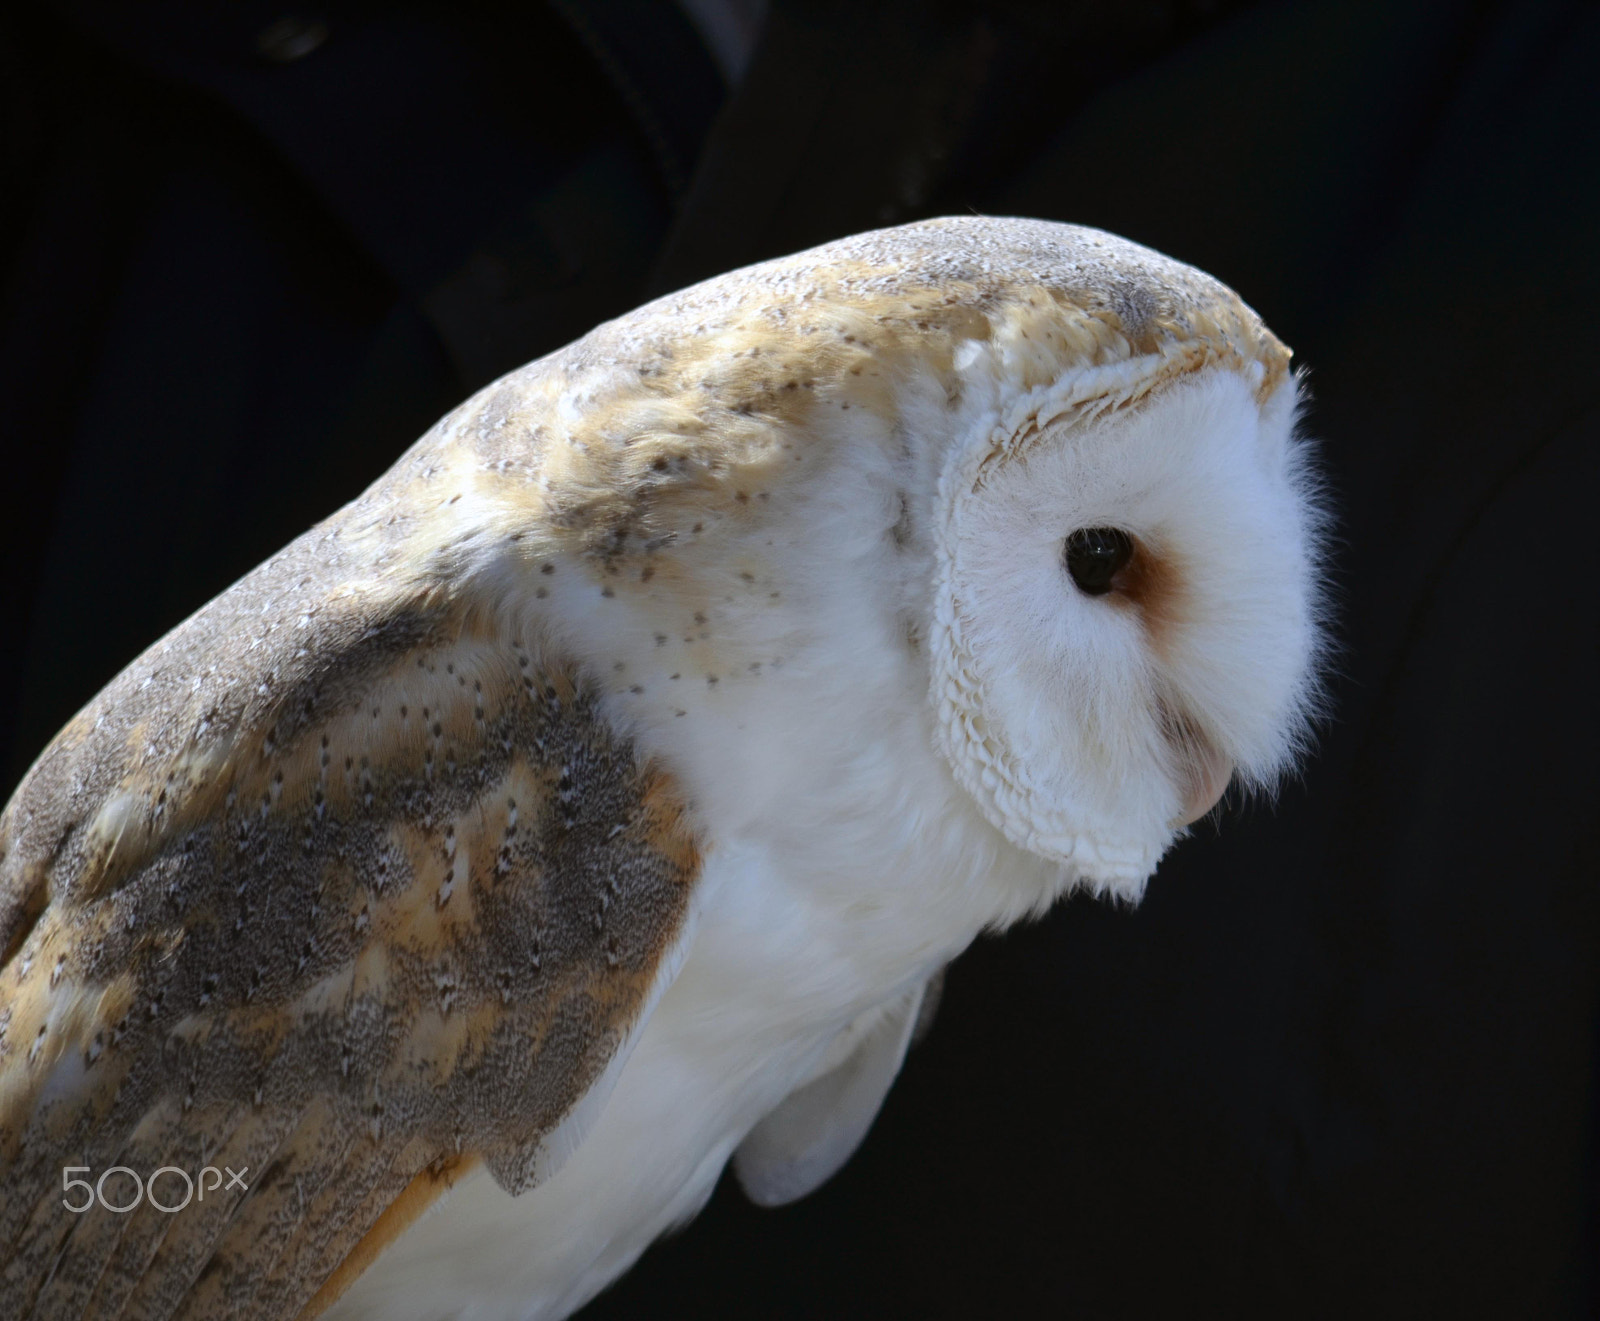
1342 1061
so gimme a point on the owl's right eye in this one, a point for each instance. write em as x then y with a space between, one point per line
1095 555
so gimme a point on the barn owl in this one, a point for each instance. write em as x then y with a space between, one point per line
590 803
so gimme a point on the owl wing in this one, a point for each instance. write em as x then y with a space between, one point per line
336 893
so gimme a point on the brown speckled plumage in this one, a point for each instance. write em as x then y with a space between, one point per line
340 888
350 882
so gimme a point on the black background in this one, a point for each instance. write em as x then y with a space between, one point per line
1342 1060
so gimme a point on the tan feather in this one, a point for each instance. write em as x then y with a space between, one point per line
343 947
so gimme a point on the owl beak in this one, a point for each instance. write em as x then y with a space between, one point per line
1209 773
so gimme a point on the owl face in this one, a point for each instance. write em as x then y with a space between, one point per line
1125 616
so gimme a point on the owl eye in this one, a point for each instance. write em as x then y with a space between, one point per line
1095 555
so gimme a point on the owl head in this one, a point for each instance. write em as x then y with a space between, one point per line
1020 500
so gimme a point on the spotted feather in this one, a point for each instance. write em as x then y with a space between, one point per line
340 885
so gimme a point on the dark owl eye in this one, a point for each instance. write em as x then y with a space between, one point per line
1095 554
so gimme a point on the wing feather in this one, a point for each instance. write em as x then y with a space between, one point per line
338 886
807 1139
